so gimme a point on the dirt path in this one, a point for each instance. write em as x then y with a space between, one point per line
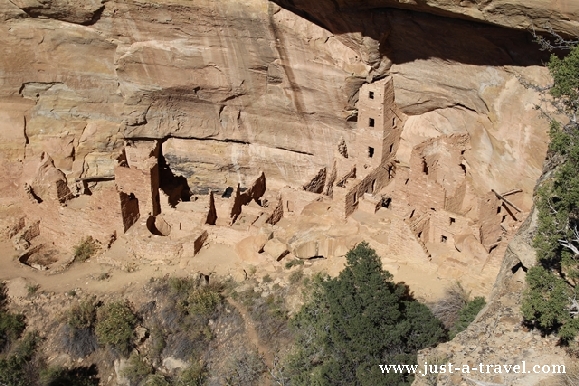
217 259
251 332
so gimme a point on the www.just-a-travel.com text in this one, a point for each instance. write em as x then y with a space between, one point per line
449 368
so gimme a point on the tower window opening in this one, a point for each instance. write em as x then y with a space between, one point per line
452 220
499 209
371 122
394 122
355 198
443 239
419 235
424 167
371 95
370 152
391 147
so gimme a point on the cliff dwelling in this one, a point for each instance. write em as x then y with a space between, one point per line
271 148
201 161
419 209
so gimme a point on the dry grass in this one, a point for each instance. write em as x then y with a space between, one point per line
570 378
447 309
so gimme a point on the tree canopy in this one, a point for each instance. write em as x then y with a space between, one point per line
357 321
550 301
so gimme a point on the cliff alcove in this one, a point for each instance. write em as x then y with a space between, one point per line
203 136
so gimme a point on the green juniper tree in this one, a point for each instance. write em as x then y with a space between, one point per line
357 321
550 301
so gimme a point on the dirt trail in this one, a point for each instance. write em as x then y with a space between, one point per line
251 332
216 259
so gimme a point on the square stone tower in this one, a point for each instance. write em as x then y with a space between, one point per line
376 133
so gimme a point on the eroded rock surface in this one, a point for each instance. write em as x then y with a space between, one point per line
228 90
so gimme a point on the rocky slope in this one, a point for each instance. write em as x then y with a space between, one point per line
234 87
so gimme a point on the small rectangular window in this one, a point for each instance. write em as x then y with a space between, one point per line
394 122
371 122
370 152
391 147
371 95
452 220
443 239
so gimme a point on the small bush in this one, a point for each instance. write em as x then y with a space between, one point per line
293 263
83 315
447 309
32 289
194 375
179 324
77 337
59 376
467 314
296 277
78 343
157 342
431 379
137 369
267 278
570 378
268 313
203 301
245 369
114 326
11 325
181 286
21 368
156 380
86 249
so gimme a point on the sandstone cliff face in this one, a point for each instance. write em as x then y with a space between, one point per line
560 15
233 88
247 85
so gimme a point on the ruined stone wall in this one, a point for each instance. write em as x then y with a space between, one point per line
342 181
402 241
355 189
329 187
143 184
277 213
212 211
254 193
489 218
316 185
445 226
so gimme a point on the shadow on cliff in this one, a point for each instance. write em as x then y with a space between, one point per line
406 36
